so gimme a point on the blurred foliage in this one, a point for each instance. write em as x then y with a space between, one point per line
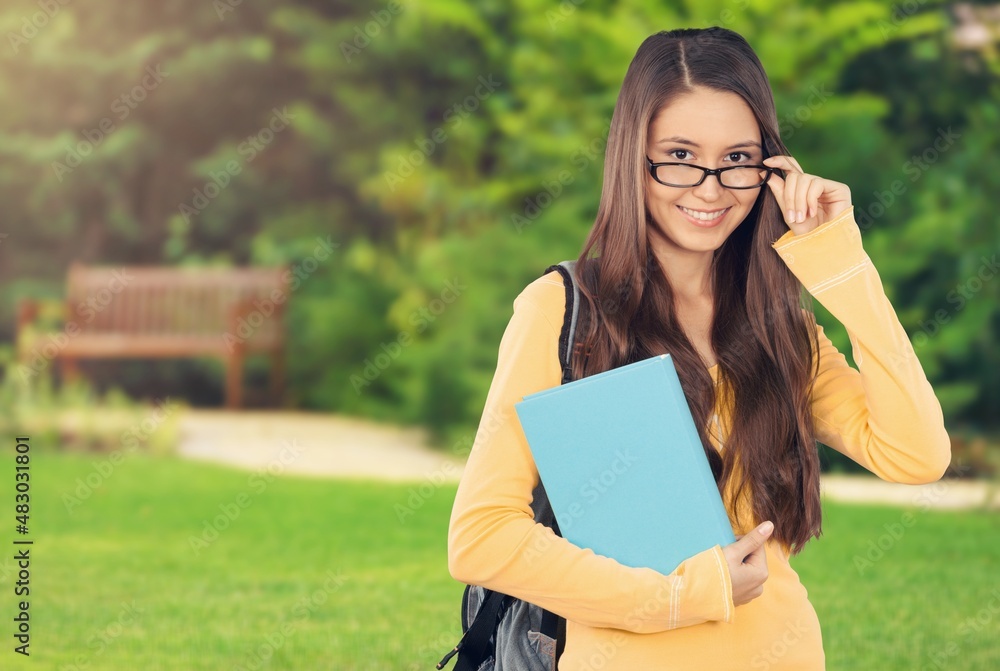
428 140
74 418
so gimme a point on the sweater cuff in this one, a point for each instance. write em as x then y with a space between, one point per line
701 592
825 256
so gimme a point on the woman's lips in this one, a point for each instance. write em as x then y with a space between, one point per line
701 223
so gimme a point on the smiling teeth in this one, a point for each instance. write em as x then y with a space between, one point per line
703 216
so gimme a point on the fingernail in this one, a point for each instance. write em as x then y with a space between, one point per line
766 528
799 218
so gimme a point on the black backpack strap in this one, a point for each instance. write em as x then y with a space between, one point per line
567 336
552 625
476 645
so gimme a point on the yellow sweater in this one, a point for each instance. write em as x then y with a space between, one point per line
885 417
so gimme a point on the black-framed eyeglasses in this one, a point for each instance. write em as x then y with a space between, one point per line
685 175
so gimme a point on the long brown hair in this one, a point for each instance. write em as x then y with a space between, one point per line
762 332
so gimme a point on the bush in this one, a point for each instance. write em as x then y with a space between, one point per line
71 417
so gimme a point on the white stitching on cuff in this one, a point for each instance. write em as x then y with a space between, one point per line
722 576
677 606
840 277
672 622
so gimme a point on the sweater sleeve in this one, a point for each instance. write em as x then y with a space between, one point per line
494 541
884 414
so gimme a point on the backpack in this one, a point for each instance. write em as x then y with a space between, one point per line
501 633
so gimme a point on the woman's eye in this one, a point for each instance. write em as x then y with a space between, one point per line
682 151
740 153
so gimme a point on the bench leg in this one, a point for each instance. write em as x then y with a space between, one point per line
234 380
277 377
70 369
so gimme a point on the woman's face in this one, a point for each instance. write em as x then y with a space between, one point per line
712 129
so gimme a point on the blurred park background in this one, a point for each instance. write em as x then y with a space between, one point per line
410 166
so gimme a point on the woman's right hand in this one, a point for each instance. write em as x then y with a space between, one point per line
748 564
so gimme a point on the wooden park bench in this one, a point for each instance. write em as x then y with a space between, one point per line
166 312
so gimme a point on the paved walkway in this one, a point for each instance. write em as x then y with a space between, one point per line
315 444
950 494
324 445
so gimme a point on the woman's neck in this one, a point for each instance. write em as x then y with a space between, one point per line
689 273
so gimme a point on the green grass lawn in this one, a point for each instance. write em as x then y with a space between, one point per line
118 585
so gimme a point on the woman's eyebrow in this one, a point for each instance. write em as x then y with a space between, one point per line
680 140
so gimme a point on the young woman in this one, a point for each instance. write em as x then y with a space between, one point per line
706 234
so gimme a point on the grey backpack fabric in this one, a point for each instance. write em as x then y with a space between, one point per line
521 641
502 633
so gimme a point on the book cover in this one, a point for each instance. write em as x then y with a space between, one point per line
623 466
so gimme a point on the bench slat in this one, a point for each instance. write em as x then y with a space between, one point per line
114 346
168 312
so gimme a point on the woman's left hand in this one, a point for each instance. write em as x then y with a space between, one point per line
806 201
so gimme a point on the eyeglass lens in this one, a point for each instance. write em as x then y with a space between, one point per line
686 175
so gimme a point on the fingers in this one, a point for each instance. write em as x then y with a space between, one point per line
783 162
754 540
779 186
792 188
797 196
747 561
813 192
757 558
798 193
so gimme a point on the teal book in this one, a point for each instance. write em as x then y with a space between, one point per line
623 466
